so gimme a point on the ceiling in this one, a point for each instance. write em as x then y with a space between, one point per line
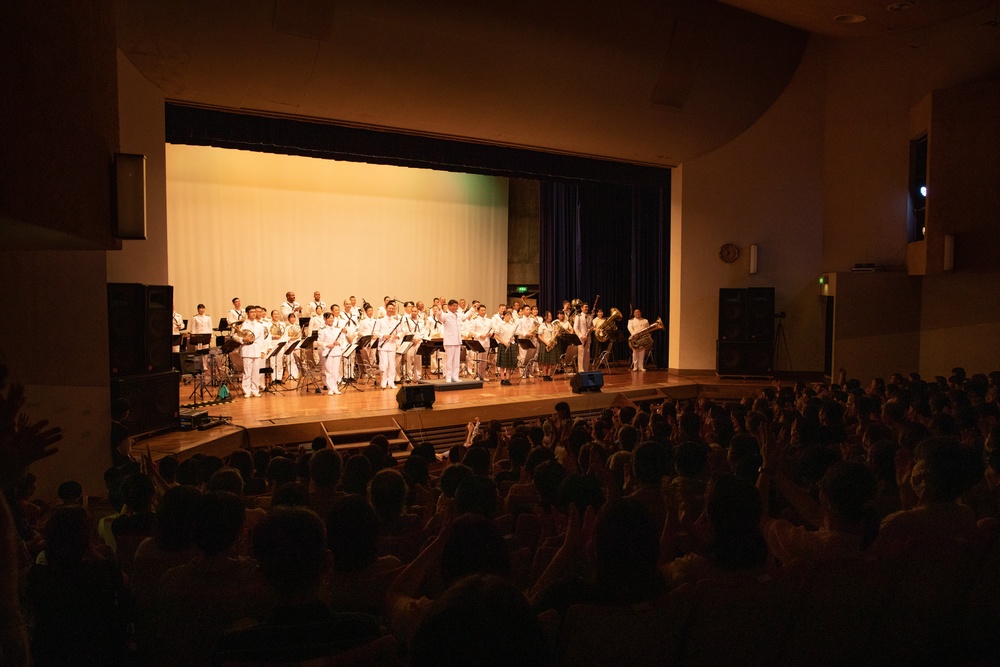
651 82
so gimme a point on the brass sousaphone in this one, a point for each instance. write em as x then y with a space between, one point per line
608 326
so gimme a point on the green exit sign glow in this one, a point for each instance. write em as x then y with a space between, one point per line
522 289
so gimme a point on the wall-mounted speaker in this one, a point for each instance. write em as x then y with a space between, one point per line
130 192
415 396
154 401
587 381
744 358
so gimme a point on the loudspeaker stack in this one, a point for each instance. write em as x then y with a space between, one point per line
139 336
745 347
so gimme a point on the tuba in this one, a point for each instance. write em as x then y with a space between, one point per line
603 332
642 339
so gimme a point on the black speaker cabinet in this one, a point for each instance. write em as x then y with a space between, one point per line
415 396
125 328
159 315
760 313
732 313
744 358
154 400
587 381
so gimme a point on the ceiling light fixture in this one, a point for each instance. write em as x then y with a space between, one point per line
849 18
901 6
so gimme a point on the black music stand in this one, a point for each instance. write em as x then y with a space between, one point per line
404 346
193 364
289 357
307 365
473 345
349 381
304 322
268 370
430 347
199 339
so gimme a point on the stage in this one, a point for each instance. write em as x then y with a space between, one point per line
292 417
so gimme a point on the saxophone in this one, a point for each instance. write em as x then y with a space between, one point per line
641 339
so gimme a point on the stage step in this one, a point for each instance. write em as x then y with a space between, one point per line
399 443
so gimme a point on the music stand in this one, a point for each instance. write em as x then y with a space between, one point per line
193 364
307 366
473 345
402 349
431 347
349 381
268 370
304 322
199 339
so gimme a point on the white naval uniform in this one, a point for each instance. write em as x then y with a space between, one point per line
332 341
178 326
412 365
251 354
313 308
289 308
388 334
638 356
583 324
451 324
278 362
366 327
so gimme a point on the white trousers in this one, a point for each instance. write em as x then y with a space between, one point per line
410 363
583 357
639 358
452 362
333 371
251 375
387 364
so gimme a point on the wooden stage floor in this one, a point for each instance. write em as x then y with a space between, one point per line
296 416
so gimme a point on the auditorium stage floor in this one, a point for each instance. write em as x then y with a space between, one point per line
293 416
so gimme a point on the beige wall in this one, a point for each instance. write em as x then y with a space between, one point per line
765 187
820 183
140 111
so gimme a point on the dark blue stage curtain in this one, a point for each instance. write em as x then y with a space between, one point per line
612 240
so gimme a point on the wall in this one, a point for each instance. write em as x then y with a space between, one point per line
765 187
141 130
876 323
868 128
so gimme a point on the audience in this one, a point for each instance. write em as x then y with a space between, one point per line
270 555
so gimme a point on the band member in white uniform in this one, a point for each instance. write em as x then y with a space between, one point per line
354 311
236 314
292 360
315 322
277 330
481 328
387 331
498 316
333 340
451 322
635 325
382 309
178 327
252 352
290 305
525 327
406 328
201 324
366 327
412 363
583 324
317 305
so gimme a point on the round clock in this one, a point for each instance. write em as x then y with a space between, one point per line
729 253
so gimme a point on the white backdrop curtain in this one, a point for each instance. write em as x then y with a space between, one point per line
256 225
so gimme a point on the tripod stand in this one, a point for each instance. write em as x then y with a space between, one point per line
780 341
349 380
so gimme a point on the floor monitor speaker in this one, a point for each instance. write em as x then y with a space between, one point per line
415 396
154 401
587 381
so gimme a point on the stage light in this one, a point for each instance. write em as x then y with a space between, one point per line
923 190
